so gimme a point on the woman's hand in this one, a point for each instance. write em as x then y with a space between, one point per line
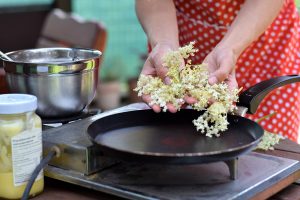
255 15
154 63
154 67
159 21
221 63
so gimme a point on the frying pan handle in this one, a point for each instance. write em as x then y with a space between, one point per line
252 97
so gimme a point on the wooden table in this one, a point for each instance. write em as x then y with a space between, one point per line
63 191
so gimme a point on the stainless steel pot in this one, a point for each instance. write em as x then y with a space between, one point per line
63 79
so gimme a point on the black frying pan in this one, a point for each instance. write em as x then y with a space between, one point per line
172 138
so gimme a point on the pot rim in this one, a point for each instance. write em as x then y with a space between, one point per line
96 53
59 66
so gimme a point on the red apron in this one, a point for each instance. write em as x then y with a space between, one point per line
275 53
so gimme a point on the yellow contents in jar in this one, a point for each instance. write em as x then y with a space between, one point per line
9 191
10 126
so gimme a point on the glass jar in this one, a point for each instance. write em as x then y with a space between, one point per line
20 145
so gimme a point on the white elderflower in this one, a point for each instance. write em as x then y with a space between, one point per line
268 141
191 81
148 84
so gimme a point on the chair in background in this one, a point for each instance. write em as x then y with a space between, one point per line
62 29
3 84
69 30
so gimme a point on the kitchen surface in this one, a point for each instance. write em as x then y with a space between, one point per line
287 189
276 178
74 105
279 170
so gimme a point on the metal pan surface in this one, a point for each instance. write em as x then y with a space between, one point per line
171 138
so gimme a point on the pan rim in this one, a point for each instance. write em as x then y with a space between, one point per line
176 155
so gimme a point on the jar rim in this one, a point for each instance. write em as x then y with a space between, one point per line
17 103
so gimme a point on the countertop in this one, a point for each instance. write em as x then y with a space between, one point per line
55 189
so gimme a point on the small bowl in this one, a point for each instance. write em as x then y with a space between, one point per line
63 79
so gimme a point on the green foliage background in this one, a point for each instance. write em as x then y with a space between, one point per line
126 39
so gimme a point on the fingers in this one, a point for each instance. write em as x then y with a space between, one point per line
192 100
157 62
231 81
223 71
161 72
189 100
156 59
182 65
154 107
167 80
225 68
154 64
171 108
220 75
148 68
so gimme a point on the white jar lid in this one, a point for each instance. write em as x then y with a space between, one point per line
17 103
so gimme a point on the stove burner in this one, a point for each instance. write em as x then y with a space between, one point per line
64 120
81 163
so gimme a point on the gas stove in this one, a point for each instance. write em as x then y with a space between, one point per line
81 163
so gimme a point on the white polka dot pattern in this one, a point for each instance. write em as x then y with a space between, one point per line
274 54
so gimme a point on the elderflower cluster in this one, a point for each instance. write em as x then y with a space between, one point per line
192 81
269 140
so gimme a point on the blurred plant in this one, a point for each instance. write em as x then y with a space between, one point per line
113 71
269 140
136 70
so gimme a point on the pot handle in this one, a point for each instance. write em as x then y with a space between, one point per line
252 97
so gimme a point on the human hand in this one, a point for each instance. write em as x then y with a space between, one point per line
154 67
221 63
